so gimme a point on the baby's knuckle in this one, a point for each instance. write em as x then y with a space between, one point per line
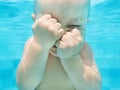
46 25
50 28
53 20
40 21
69 33
64 37
58 24
48 15
75 30
60 33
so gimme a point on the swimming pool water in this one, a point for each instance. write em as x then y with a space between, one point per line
103 34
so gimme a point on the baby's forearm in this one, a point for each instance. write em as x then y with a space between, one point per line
78 73
31 67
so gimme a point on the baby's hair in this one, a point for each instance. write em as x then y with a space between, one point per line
37 6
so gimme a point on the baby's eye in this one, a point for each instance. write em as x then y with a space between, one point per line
74 26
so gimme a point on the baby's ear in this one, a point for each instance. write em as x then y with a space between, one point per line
33 16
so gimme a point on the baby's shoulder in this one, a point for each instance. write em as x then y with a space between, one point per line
87 54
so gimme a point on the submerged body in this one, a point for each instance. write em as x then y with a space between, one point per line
56 78
56 57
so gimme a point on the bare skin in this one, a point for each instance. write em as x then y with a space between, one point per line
56 57
55 77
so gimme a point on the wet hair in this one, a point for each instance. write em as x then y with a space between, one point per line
37 6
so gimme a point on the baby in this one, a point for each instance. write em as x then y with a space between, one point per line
57 57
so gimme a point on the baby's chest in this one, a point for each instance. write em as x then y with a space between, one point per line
55 78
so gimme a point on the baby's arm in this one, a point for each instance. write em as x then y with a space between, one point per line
31 68
80 68
91 73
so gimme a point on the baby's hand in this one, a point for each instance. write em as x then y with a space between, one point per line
46 31
70 44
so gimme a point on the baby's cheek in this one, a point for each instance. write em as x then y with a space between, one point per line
82 33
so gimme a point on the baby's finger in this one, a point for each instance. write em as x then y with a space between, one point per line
42 20
46 25
71 35
52 21
33 17
69 40
57 26
62 45
76 35
76 32
45 17
60 32
54 27
79 39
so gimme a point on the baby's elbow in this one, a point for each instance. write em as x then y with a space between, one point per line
21 83
92 79
93 83
24 85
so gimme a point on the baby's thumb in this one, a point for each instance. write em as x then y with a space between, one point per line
33 16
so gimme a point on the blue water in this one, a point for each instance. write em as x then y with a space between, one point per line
103 34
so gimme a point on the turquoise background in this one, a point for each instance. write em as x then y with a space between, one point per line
103 34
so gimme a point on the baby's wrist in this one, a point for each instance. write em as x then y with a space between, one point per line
67 57
43 47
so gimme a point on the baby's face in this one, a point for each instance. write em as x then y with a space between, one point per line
67 12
